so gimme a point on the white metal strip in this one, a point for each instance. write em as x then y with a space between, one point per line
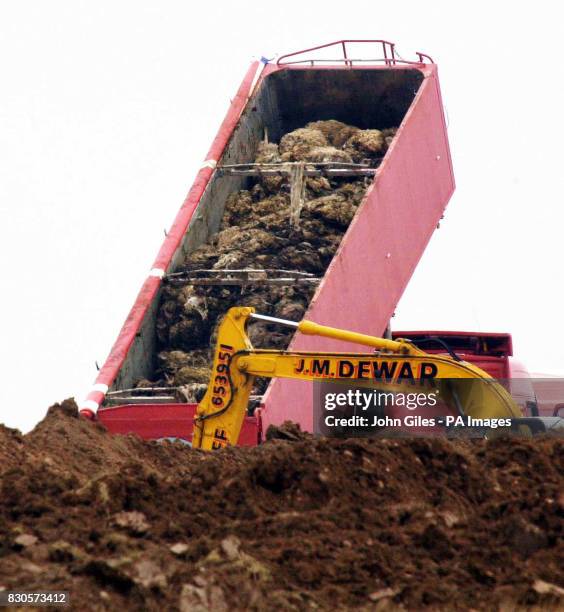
90 405
210 163
100 387
158 272
274 320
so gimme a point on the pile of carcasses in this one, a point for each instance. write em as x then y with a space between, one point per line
256 233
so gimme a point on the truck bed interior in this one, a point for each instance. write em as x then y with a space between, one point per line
377 97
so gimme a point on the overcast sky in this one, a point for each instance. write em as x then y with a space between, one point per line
108 108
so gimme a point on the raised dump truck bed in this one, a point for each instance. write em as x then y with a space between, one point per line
377 255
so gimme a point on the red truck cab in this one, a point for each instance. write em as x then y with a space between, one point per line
492 352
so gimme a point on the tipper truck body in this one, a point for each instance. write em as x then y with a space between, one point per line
376 257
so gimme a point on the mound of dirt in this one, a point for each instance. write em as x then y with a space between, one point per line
298 523
256 233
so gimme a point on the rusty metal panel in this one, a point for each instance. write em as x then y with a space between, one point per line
381 248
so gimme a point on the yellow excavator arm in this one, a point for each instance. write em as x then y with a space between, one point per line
220 414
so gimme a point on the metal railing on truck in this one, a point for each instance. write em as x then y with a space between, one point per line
390 54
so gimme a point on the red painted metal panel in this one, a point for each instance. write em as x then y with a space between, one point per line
382 246
506 339
154 421
497 367
500 345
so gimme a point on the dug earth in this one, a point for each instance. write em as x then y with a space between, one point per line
298 523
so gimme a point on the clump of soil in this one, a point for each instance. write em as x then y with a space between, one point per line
298 523
256 233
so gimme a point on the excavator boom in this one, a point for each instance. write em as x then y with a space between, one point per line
395 365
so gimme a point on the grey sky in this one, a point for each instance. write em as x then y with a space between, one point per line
108 108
